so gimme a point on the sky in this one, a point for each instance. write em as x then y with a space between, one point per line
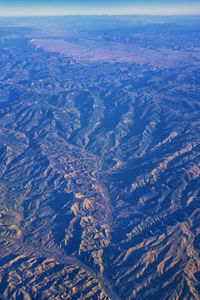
98 7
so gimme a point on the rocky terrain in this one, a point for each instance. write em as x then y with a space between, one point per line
100 158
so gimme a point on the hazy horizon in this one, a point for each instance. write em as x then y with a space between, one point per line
61 8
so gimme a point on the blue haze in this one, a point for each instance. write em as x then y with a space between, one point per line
74 7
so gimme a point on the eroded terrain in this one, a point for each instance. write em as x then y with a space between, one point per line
99 152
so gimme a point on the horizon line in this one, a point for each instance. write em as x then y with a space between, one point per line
100 15
118 10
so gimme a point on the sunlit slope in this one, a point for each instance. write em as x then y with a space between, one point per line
99 172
